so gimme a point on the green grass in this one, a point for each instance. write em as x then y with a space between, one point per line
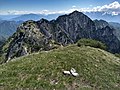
97 69
91 43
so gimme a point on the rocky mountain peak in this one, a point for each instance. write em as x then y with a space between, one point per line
71 15
76 13
43 21
76 25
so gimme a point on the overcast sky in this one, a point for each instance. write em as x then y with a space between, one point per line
58 6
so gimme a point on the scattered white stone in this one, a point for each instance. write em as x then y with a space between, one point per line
66 72
75 74
54 82
50 45
96 65
71 72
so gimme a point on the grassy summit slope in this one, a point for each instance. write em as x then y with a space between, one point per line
97 69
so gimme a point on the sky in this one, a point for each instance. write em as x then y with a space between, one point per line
58 6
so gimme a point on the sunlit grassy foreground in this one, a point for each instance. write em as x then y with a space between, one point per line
97 69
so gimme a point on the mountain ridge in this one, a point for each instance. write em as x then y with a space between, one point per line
66 29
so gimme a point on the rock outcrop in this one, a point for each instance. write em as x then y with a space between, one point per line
28 39
99 24
108 35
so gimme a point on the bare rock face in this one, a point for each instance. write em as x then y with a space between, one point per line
76 25
106 35
99 24
53 30
33 36
28 39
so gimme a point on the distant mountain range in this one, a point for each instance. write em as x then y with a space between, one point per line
2 40
7 28
104 16
26 17
35 17
8 17
32 16
116 25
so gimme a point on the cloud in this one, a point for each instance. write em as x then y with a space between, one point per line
113 9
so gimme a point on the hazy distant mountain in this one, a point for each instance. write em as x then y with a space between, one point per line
8 17
7 28
2 40
115 25
26 17
35 17
32 16
102 15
